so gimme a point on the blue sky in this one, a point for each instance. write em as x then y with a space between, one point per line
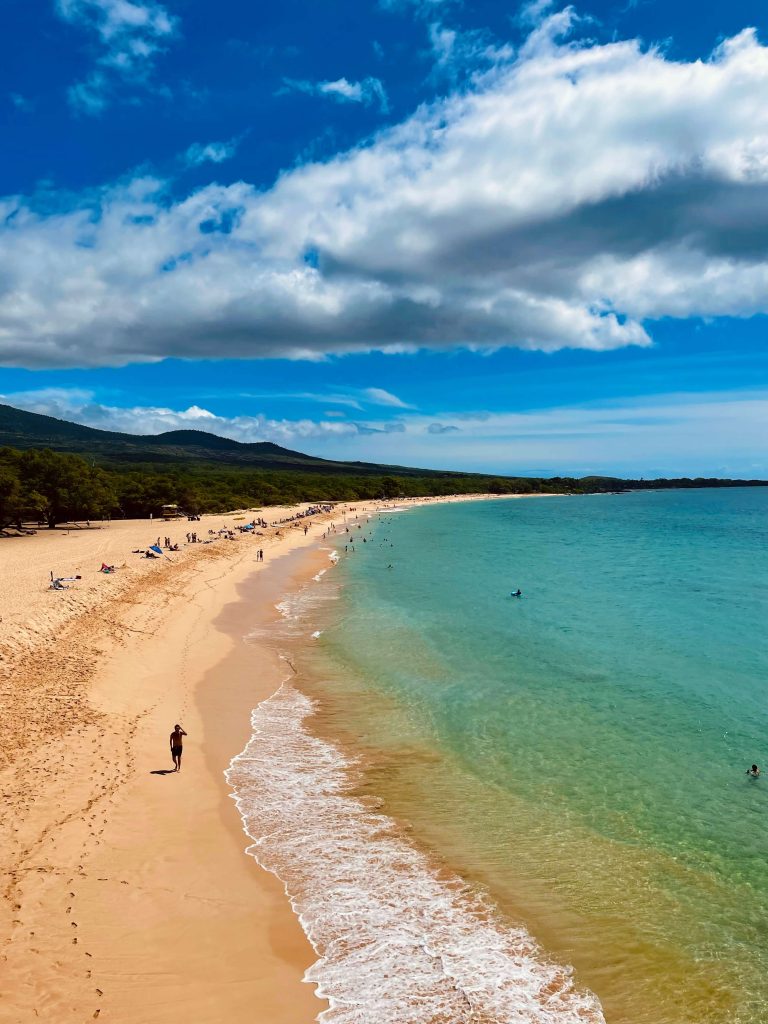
525 239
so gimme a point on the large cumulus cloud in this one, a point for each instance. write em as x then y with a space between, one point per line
566 198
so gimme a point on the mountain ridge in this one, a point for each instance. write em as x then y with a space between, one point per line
22 429
189 448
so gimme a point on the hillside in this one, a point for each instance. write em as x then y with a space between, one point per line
24 430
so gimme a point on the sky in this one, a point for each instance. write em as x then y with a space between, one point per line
513 238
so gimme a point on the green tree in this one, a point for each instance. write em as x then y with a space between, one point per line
391 487
65 487
10 496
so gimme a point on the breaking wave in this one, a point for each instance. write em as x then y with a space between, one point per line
399 940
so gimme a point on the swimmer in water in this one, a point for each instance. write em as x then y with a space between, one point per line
516 593
753 772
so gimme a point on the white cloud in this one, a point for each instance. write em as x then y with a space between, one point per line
454 51
368 91
78 405
717 434
564 200
534 12
354 398
351 401
130 34
122 24
378 396
210 152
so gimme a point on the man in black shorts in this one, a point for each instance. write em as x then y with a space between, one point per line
176 746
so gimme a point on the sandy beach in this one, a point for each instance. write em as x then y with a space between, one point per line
122 890
126 892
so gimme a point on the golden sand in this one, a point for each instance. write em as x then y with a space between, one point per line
126 895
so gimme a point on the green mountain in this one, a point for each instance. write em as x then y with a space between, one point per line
23 430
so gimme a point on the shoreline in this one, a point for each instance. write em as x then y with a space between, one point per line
657 971
120 893
218 938
354 871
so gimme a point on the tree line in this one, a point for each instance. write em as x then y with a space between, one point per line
50 487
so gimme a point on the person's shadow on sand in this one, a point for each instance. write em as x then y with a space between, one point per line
164 771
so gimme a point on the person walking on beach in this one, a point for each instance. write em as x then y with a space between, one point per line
176 746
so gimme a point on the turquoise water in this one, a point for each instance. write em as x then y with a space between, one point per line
578 754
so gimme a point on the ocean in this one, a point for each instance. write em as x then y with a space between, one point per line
495 809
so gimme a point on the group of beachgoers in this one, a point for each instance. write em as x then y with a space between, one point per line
311 510
162 545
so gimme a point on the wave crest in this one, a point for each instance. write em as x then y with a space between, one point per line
399 942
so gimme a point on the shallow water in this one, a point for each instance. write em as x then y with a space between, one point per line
577 757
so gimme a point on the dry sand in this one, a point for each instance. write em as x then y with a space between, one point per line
126 893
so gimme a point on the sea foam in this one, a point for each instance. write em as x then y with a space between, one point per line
399 940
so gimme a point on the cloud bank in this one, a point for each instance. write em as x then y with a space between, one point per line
564 199
625 436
